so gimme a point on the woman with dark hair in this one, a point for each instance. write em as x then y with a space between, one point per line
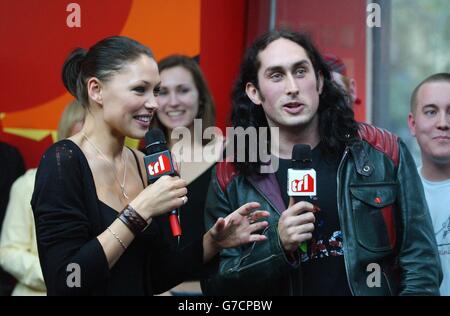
95 216
186 108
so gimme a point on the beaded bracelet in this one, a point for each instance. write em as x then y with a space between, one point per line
118 238
132 220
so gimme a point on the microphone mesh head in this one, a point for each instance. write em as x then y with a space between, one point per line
301 152
155 135
155 141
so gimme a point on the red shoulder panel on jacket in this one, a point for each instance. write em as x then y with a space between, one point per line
225 171
381 139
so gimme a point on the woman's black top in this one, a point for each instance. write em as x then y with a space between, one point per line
192 213
69 216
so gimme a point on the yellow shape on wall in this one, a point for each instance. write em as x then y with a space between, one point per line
34 134
40 134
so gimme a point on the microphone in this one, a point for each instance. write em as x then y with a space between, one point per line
302 177
158 162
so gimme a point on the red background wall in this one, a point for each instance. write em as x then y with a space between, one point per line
223 26
36 40
337 27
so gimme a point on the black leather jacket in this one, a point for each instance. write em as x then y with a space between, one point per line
383 216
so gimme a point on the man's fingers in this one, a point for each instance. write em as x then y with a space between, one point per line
219 225
257 215
247 208
303 229
304 237
301 219
297 239
257 238
258 226
291 202
300 207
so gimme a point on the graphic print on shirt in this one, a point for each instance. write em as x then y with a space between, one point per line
323 244
443 237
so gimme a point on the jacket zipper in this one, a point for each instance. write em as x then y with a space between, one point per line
340 218
248 254
253 264
291 290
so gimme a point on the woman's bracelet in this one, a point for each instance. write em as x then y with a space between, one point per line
132 220
118 238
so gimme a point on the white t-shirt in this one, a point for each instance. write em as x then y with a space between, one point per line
438 199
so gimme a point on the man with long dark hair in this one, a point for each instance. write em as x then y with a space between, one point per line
368 232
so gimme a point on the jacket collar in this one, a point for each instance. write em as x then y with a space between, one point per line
362 163
267 185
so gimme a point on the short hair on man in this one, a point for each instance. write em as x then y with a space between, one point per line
439 77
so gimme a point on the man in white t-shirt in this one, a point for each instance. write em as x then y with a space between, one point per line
429 122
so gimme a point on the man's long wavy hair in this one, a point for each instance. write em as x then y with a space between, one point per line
337 126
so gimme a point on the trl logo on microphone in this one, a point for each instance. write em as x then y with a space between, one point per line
160 166
301 182
304 185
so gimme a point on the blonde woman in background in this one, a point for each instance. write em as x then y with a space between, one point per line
72 120
18 248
